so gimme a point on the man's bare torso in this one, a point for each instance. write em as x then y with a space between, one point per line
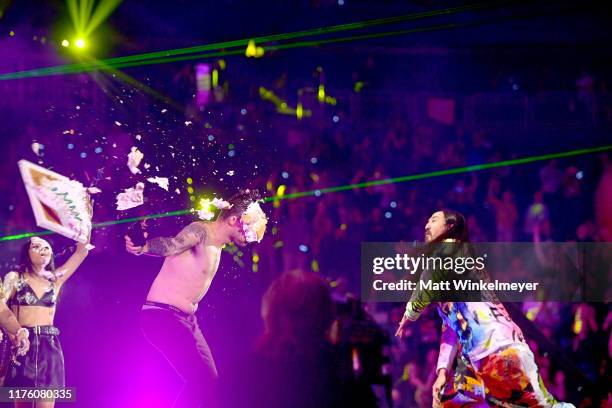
185 278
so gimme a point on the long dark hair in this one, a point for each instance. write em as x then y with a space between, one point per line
456 227
25 262
457 230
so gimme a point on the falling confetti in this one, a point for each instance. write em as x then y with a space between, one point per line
94 190
230 173
160 181
134 158
37 147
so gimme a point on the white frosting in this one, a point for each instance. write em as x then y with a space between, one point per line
132 197
254 222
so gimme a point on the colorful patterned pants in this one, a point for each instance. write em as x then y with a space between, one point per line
508 378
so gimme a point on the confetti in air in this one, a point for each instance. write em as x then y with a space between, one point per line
134 158
37 147
160 181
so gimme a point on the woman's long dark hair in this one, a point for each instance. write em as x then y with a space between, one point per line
25 265
25 262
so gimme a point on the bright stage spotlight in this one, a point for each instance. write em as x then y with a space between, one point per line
65 43
80 43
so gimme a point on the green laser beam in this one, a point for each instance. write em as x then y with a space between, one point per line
26 235
319 192
155 62
308 33
312 43
301 44
100 224
79 67
134 219
457 170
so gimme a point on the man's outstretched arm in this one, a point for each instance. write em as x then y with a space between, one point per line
190 236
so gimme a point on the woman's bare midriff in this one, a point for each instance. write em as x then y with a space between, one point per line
30 316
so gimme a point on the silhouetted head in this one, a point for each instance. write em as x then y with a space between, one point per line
297 310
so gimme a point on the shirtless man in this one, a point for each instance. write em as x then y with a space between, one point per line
192 258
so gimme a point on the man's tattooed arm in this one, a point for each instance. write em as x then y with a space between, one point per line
190 236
